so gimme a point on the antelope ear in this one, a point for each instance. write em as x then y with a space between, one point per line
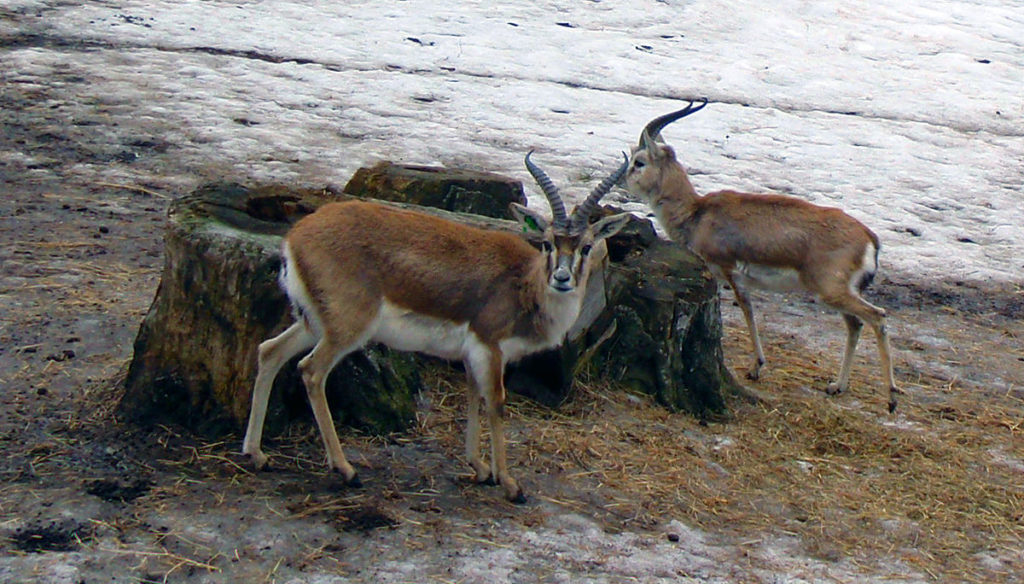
649 144
609 226
528 218
656 148
660 151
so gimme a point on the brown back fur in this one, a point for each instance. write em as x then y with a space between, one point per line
381 257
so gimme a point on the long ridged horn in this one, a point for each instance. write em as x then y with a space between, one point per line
560 220
581 215
652 132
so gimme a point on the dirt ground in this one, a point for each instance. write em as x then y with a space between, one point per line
85 497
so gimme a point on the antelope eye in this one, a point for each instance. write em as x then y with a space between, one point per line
638 164
546 246
585 250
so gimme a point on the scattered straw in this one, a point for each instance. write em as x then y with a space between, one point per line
135 188
921 489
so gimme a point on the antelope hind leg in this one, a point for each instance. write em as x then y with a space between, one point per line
274 353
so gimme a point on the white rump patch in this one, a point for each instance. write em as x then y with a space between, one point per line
297 293
869 264
868 268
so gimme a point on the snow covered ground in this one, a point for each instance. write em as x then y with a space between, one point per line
908 114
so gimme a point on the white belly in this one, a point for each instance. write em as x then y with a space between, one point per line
405 330
767 277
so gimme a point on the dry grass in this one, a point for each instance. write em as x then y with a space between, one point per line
924 489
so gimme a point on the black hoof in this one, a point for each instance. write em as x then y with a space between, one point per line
892 406
519 499
353 482
487 481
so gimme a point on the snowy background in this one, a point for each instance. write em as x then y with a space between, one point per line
908 114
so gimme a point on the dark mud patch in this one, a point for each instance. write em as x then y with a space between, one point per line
54 536
119 490
364 519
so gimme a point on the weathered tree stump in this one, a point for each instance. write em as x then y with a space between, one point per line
664 330
650 321
461 191
195 355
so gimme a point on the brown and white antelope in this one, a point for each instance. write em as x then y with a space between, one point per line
772 242
359 272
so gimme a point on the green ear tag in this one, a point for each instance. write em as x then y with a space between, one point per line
531 223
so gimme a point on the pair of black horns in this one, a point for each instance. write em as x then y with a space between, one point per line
581 215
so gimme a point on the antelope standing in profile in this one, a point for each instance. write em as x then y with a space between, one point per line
771 242
359 272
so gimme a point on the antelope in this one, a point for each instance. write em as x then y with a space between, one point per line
765 241
358 272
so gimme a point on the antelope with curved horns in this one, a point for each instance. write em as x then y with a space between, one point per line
772 242
359 272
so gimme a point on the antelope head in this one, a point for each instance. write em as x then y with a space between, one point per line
571 244
651 158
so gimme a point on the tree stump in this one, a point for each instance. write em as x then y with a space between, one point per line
664 330
194 361
650 321
461 191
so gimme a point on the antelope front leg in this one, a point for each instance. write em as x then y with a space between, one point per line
853 327
748 314
496 414
483 474
495 398
486 371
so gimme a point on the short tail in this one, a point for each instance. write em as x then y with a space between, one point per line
867 276
293 286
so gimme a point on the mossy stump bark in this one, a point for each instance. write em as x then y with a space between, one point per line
650 321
